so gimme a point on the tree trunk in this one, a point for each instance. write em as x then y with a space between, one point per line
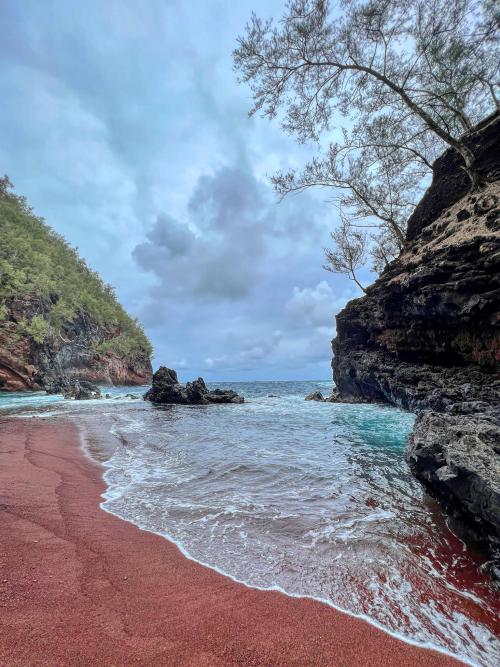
470 167
357 282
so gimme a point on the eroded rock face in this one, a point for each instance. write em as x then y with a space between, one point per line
426 334
457 456
166 389
75 357
426 338
27 366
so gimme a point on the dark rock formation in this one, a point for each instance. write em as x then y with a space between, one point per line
315 396
167 389
81 390
457 456
450 181
57 385
426 333
426 338
333 398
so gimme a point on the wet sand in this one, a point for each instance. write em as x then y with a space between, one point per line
79 586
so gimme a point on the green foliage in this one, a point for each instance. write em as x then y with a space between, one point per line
37 264
38 329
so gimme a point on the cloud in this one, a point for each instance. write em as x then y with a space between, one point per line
214 263
239 228
312 306
125 128
316 306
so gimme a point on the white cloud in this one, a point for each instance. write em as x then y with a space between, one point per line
140 152
316 306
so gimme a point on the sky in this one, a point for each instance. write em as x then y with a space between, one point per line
124 125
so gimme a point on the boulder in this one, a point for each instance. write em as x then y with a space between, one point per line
57 384
81 390
166 389
336 398
315 396
223 396
196 391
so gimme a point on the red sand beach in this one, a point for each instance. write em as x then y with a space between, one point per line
79 586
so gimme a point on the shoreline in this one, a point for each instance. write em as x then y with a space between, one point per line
81 586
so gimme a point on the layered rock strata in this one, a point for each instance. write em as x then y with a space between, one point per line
426 338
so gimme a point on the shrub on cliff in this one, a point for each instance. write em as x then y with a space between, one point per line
38 329
43 277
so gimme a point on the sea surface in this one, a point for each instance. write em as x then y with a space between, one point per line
315 499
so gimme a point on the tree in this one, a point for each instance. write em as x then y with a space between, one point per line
5 186
383 187
349 252
430 62
401 79
375 173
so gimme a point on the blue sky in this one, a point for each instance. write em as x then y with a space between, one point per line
123 124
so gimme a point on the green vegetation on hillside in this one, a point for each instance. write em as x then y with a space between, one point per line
38 265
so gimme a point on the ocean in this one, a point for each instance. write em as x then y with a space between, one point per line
314 499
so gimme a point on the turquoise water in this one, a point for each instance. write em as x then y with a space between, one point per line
316 499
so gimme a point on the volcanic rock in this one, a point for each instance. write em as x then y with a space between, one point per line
315 396
425 337
81 390
167 389
457 457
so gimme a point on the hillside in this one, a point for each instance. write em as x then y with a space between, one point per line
57 318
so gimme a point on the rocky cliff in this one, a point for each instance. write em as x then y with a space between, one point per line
426 338
72 353
58 320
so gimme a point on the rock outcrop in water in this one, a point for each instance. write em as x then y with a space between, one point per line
81 390
457 456
166 388
315 396
426 338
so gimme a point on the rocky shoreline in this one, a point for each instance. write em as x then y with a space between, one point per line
425 338
456 456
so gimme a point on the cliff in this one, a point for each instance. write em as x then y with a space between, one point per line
426 338
58 320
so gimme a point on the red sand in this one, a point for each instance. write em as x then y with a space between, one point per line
81 587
